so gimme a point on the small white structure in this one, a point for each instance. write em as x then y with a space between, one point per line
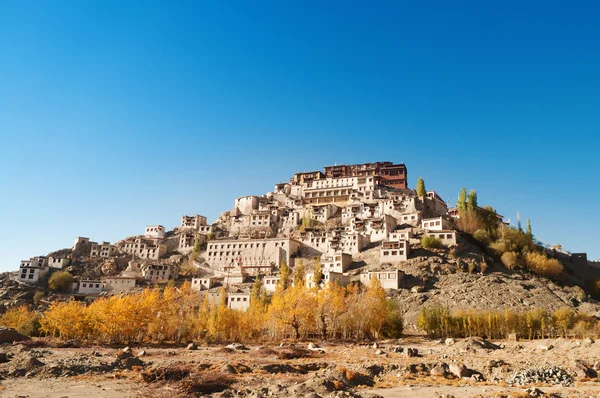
133 270
393 251
389 279
89 287
119 283
412 218
57 262
448 238
436 224
203 283
336 262
238 301
155 232
401 234
104 250
270 283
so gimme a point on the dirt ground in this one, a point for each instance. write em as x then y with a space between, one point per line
410 367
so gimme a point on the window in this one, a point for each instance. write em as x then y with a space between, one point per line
449 236
391 276
84 285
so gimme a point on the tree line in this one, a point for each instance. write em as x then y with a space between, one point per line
180 315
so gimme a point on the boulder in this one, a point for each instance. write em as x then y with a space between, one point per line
459 370
8 335
312 346
237 346
192 346
513 337
449 341
411 352
439 370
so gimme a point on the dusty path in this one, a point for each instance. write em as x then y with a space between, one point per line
67 387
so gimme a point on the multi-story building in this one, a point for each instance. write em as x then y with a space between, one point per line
32 270
145 249
393 251
203 283
337 261
155 232
104 249
253 255
159 273
391 175
187 240
193 222
238 301
270 282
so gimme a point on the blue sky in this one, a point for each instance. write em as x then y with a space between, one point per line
116 115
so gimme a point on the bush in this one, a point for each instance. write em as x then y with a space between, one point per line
482 236
472 267
483 266
394 324
509 259
431 242
60 281
37 297
498 246
541 265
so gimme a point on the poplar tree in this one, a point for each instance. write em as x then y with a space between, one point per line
462 200
472 200
421 191
299 274
318 273
528 228
284 275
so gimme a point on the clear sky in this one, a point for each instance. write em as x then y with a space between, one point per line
114 115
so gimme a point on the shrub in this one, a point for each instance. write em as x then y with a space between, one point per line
60 281
542 265
431 242
37 297
483 266
22 320
509 259
482 236
472 267
498 246
393 324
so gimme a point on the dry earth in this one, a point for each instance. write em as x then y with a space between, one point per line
391 369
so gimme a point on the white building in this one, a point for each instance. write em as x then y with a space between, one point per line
401 234
394 251
336 261
145 249
389 279
90 287
119 283
155 232
448 238
238 301
193 222
436 224
203 283
270 283
32 270
328 276
57 262
187 240
158 273
253 255
104 249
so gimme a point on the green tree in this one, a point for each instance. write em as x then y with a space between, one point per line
528 229
37 297
462 200
60 281
318 273
421 191
196 245
472 200
299 274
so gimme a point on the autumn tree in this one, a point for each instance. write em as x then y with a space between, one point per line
293 308
299 274
331 305
284 275
318 273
